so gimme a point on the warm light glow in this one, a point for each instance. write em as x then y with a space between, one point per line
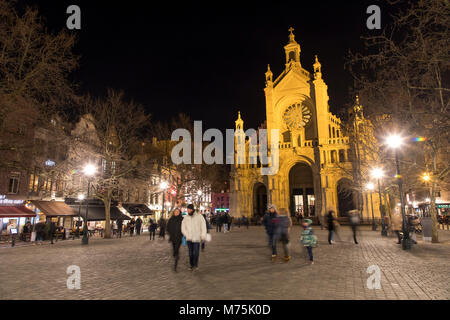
428 200
199 192
163 185
426 177
80 196
370 186
89 170
394 141
377 173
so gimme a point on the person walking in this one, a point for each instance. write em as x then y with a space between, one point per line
152 228
51 231
131 225
162 228
282 226
269 223
246 222
397 223
40 232
208 227
219 221
194 230
353 216
175 235
331 226
119 223
309 240
138 226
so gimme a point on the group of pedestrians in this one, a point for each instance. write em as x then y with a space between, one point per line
223 220
278 225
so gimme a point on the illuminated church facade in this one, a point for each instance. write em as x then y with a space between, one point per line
315 157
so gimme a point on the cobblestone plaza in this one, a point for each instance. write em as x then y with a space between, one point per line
235 265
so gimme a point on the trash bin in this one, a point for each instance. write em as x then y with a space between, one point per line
427 228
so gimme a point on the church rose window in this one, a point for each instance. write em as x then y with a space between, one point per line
297 116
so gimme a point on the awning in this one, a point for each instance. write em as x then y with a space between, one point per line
16 211
97 213
137 209
54 208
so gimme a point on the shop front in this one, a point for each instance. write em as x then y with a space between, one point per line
140 210
14 215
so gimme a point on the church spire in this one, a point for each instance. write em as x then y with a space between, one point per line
239 122
292 50
269 76
317 69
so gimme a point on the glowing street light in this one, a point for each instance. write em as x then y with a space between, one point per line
164 185
89 170
377 173
199 192
426 177
81 197
394 141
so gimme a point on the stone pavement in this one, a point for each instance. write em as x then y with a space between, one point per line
235 265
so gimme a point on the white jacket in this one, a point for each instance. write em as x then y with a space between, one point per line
194 227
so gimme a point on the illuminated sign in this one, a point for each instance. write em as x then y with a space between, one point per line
3 200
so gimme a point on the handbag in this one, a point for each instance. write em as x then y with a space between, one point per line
183 241
208 237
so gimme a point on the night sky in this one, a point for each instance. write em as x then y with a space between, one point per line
208 59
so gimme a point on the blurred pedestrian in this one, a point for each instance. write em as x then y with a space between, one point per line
138 226
131 225
282 224
208 227
40 232
119 223
152 226
397 223
51 231
162 228
353 216
219 221
175 235
331 226
193 228
309 240
268 223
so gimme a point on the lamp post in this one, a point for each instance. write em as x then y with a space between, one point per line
89 170
394 142
80 200
371 187
164 185
377 173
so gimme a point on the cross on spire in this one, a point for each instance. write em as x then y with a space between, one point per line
291 35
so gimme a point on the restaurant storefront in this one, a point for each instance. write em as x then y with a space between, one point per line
14 214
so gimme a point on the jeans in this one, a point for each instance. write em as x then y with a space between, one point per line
310 253
152 233
193 253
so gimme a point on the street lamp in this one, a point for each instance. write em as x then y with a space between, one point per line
370 186
80 200
377 173
163 185
89 170
394 142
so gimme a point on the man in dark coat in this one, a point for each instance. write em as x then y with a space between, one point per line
51 231
138 226
269 223
162 228
175 235
119 223
152 229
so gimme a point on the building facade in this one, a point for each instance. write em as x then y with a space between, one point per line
315 157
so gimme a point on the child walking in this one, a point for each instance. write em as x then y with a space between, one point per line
309 239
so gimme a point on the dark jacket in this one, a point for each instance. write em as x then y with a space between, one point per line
330 221
268 222
138 223
174 228
153 225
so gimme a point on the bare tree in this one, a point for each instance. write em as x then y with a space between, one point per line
404 76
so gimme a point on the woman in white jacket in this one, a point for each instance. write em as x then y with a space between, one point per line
193 228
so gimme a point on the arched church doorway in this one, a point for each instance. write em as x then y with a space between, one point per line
301 190
346 197
259 199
